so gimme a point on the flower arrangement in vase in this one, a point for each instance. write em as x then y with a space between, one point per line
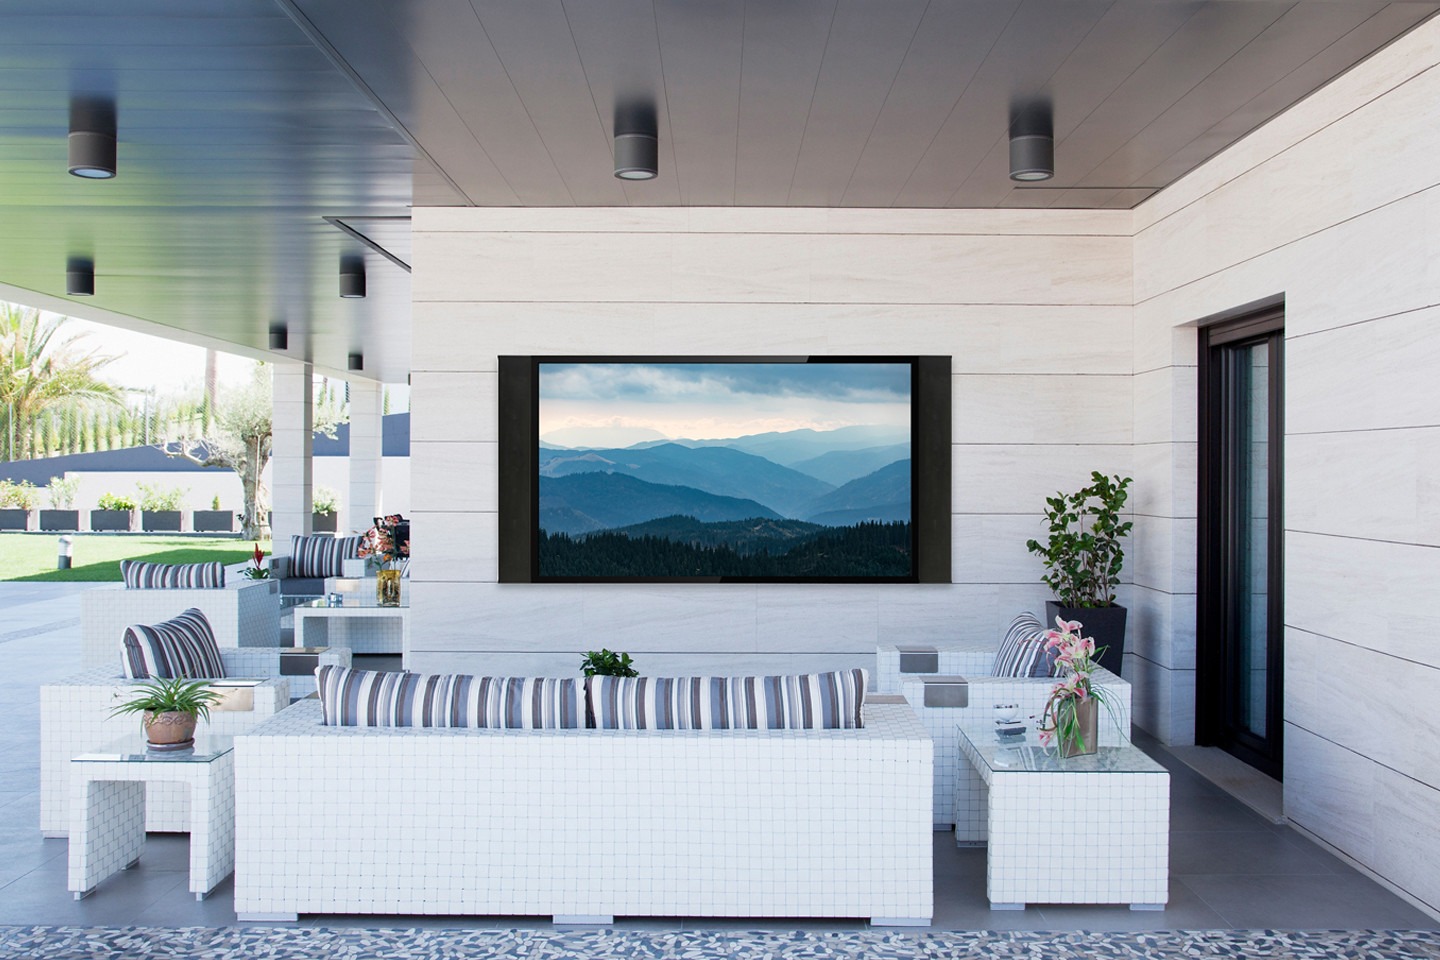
387 544
1071 715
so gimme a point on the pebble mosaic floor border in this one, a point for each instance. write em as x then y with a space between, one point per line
196 943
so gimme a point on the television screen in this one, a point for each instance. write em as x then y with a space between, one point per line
734 469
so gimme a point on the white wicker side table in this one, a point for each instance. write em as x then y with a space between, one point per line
107 809
358 622
1092 829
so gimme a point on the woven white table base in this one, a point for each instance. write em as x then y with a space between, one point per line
364 629
1058 837
107 826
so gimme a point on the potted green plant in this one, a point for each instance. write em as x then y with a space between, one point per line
160 509
169 710
1083 558
62 514
214 520
17 504
324 503
257 569
115 513
607 664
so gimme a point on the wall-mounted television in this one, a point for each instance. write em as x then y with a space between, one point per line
725 469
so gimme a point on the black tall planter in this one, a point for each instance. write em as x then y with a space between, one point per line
1106 625
64 520
111 521
14 519
160 521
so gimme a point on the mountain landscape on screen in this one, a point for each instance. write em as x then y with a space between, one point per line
821 490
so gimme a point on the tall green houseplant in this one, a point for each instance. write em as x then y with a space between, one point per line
1083 558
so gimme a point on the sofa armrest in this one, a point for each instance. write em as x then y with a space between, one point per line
352 567
279 567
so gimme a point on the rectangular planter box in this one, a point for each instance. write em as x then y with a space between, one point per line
214 521
59 519
160 521
324 522
14 519
107 520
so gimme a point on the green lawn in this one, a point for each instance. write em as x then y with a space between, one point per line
27 556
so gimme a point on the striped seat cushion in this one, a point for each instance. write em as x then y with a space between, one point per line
312 557
367 698
812 701
1022 653
140 575
182 647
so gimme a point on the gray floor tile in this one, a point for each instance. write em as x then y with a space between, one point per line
1241 852
1184 911
1307 903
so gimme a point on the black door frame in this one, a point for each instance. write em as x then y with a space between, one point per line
1214 588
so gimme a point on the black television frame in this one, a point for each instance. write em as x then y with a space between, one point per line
930 441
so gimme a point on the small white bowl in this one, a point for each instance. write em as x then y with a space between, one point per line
1007 712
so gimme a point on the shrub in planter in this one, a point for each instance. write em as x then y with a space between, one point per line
160 508
1083 558
17 503
324 502
116 513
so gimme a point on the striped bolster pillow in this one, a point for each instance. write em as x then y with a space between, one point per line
812 701
1022 653
367 698
312 557
182 647
140 575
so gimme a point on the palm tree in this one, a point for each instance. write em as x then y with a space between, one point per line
37 378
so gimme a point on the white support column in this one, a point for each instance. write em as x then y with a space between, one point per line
366 451
292 447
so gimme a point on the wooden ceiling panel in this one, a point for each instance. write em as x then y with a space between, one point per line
779 68
701 46
867 43
1036 41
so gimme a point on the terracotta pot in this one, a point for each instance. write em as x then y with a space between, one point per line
172 726
1087 716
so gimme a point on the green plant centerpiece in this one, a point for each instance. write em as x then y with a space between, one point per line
1083 558
607 664
169 710
257 569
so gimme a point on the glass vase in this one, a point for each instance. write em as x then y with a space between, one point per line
1080 739
387 588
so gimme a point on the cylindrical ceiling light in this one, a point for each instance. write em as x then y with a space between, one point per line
279 336
80 277
92 138
1032 144
637 145
357 361
352 277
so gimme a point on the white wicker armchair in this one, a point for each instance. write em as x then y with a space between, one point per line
75 716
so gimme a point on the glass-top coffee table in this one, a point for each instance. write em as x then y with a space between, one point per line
1090 829
107 809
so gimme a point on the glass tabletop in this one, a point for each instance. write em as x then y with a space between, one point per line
1007 753
359 600
134 749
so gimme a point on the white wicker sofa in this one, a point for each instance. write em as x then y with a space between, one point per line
585 824
75 718
946 683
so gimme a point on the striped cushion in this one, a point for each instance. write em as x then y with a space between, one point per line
182 647
139 575
809 701
312 557
367 698
1022 653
